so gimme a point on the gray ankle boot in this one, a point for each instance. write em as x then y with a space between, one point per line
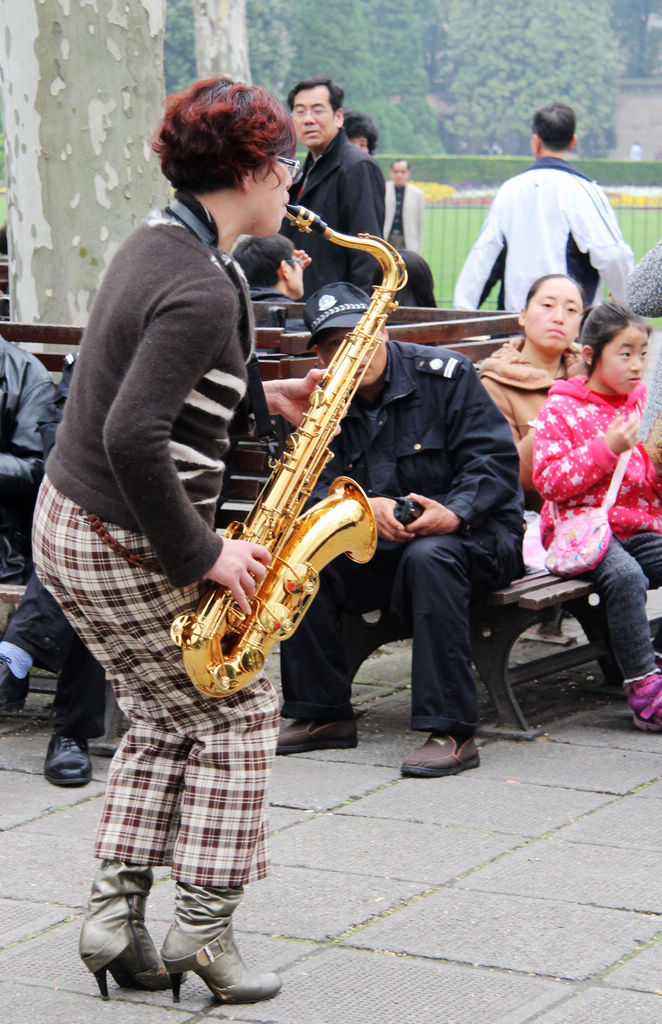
201 940
114 937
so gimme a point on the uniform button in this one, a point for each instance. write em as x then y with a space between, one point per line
436 364
417 447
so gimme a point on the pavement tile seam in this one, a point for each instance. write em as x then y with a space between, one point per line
455 828
343 870
84 799
181 1015
569 902
640 944
567 1000
550 833
592 842
345 802
484 964
530 837
67 919
580 740
402 903
628 958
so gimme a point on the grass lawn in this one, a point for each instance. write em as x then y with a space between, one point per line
450 231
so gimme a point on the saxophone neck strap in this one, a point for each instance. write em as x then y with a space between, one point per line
196 226
256 395
258 402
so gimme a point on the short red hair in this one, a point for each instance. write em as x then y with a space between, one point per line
216 131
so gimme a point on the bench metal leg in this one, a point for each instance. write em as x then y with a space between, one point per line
493 635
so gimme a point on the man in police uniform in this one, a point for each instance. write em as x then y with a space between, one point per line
422 427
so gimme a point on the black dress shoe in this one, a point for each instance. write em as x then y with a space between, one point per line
67 761
13 690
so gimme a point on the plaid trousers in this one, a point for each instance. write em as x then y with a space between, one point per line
188 784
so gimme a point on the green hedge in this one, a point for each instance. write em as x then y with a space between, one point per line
493 170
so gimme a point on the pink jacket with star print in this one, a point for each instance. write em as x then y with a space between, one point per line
573 465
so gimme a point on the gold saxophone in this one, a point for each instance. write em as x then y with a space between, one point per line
223 648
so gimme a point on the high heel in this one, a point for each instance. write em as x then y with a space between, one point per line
201 940
114 937
176 983
100 975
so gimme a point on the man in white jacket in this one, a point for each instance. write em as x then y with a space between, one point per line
549 219
404 205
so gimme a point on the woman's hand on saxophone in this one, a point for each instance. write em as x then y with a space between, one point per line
240 566
290 398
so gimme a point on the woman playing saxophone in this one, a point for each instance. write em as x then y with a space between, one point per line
124 539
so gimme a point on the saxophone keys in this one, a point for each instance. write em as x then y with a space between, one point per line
275 619
300 579
186 631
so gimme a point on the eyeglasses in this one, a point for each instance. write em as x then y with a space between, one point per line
291 164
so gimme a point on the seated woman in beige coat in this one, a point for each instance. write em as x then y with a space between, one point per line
520 373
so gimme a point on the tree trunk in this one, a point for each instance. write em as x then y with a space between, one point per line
82 87
221 39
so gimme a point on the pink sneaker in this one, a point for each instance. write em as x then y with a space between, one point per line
645 699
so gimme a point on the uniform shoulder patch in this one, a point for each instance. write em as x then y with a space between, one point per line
440 366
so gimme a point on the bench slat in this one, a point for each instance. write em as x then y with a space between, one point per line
555 593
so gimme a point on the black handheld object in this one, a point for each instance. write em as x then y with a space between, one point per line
406 510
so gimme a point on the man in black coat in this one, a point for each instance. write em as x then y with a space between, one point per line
340 183
422 427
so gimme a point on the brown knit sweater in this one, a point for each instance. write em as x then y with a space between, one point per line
160 373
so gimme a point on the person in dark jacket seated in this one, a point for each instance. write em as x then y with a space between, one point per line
26 389
39 633
421 427
339 182
273 268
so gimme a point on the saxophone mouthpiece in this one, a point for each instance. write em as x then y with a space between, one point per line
306 220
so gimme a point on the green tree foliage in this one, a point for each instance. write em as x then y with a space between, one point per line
400 106
373 48
335 42
271 48
637 25
512 56
179 45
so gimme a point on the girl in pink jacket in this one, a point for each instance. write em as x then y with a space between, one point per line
583 427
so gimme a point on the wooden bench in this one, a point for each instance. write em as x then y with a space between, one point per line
496 623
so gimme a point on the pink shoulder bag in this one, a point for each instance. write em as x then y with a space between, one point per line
581 540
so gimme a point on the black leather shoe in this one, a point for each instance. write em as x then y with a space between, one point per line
13 690
302 735
67 762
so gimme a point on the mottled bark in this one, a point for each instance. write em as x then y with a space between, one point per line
221 39
82 87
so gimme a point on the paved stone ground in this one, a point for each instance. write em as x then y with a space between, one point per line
524 891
